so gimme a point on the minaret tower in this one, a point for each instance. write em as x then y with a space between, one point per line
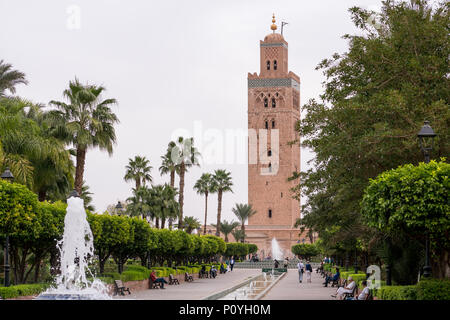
273 111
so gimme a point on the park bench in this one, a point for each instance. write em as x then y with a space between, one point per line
348 295
120 288
154 285
203 274
173 280
188 277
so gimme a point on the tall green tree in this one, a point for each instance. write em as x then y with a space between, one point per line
86 121
222 182
10 78
184 155
227 227
243 212
191 224
138 170
203 186
377 95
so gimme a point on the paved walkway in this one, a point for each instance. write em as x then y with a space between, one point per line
196 290
289 288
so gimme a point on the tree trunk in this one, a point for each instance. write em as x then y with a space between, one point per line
243 232
157 223
219 211
79 171
42 195
172 178
181 194
138 183
206 211
163 223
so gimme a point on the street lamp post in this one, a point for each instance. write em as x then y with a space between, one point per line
119 208
8 176
426 137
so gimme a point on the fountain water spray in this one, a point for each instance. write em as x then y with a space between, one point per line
277 252
76 249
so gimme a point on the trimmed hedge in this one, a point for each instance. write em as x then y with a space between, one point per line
397 293
23 290
433 289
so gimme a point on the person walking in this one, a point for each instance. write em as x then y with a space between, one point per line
301 270
232 263
308 269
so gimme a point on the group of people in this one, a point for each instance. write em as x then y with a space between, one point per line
304 268
348 287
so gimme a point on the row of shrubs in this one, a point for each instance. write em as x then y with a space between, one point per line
137 273
433 289
23 290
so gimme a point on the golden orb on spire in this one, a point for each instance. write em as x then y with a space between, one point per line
273 26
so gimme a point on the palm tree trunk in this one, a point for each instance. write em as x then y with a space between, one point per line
163 223
206 211
172 178
138 183
79 171
181 195
243 232
219 211
157 223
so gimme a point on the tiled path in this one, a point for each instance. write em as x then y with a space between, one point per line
196 290
289 288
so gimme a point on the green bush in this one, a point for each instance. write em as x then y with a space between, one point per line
397 293
146 272
22 290
434 289
133 276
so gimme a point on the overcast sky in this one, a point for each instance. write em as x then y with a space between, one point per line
172 65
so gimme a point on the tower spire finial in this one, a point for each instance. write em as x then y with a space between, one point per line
273 26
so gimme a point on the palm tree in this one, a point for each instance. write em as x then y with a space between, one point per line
87 198
238 235
191 223
36 157
243 212
138 170
86 122
10 78
204 186
138 204
221 183
184 155
168 166
227 227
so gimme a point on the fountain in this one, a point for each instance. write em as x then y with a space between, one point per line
76 249
277 252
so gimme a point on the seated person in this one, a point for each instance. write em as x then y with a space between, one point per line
347 289
333 278
213 271
157 280
223 268
203 271
365 292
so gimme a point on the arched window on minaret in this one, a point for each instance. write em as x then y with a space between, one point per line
274 103
270 167
270 213
268 65
269 153
274 64
266 124
266 102
273 124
